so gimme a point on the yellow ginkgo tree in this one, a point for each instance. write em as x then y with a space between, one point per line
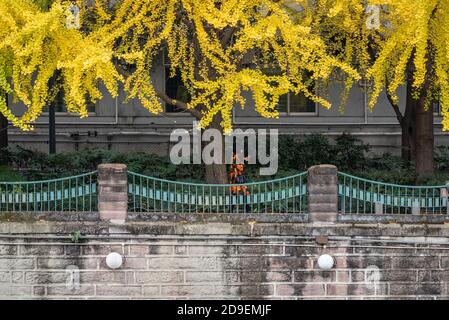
394 44
222 50
35 47
413 50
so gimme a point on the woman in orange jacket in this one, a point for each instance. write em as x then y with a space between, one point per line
237 177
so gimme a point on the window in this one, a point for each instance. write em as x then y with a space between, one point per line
436 105
174 87
62 108
292 103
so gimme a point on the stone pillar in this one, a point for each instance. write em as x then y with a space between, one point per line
113 192
322 185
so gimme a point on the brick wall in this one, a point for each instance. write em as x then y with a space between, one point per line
221 261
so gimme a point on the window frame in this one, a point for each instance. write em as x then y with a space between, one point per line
71 114
438 113
299 114
288 113
166 65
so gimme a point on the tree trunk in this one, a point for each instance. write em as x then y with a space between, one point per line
408 126
424 141
424 133
417 130
217 173
407 143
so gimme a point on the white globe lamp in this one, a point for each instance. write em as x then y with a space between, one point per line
114 260
326 262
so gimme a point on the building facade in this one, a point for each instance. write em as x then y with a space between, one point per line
118 124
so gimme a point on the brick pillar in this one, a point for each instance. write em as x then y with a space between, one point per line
113 192
323 193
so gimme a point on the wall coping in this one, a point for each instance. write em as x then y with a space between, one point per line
234 218
250 229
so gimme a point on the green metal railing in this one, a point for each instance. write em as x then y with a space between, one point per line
78 193
357 195
286 195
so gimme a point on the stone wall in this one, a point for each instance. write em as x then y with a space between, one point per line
242 260
223 256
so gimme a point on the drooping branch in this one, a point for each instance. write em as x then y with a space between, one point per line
395 106
396 109
227 35
164 97
179 104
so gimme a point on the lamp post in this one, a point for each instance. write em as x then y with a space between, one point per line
72 22
447 197
52 120
3 132
4 126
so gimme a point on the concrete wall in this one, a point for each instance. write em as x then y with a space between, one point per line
223 256
223 261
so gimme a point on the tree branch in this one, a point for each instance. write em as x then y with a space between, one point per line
179 104
395 106
122 70
227 35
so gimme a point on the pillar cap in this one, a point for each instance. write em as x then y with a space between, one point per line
322 166
116 166
109 168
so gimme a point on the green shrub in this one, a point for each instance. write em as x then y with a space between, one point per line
404 176
442 158
387 162
349 153
439 178
9 175
289 148
314 149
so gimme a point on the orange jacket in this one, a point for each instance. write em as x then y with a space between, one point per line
236 171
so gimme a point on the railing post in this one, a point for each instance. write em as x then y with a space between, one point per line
322 185
446 194
113 192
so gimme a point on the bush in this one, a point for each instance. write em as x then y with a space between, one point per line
442 158
439 178
288 148
387 162
349 153
299 154
314 149
159 167
404 177
9 175
35 165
